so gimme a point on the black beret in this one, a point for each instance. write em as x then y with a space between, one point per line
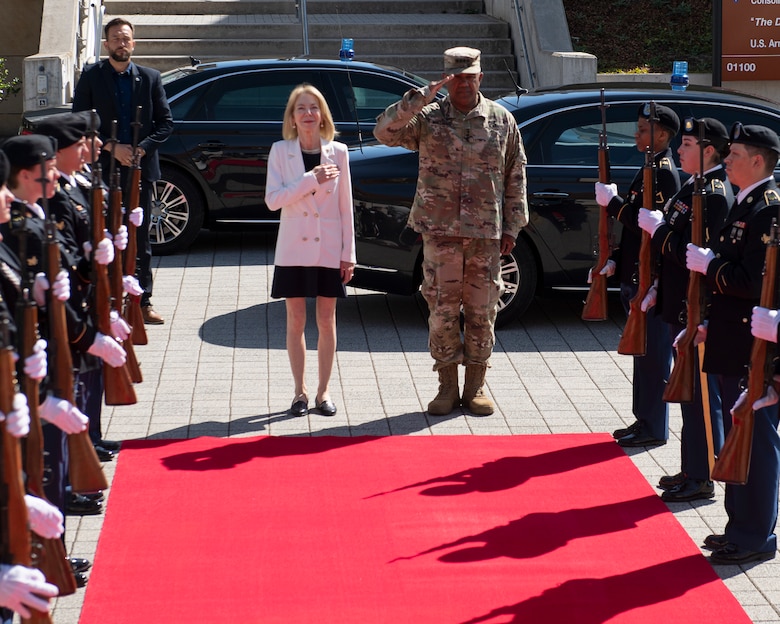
715 132
757 136
5 168
67 128
26 150
666 116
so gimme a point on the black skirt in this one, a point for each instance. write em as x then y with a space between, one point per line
296 281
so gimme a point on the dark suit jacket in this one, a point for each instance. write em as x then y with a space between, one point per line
95 90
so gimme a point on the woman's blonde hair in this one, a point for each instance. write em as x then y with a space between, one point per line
327 127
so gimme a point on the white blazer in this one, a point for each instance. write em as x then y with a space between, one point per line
317 225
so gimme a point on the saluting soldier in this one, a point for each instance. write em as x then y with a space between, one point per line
671 232
651 370
732 267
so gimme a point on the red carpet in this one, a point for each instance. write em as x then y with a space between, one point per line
407 529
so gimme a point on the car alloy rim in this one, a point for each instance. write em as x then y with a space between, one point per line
170 212
510 276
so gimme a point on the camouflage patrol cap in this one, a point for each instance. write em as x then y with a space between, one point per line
757 136
462 60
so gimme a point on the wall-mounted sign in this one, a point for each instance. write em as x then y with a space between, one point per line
750 40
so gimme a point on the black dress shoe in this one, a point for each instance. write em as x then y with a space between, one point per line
79 505
326 407
104 454
81 579
79 564
639 439
667 482
94 496
691 489
300 406
110 445
731 554
715 542
622 433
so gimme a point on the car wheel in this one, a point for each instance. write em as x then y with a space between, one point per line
176 214
519 273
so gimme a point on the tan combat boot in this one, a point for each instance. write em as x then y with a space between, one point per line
448 398
474 398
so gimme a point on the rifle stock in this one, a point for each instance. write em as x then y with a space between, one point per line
681 385
634 338
733 463
595 308
118 385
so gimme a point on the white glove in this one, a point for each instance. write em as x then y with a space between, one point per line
608 270
39 288
108 350
650 298
63 415
698 258
136 216
24 588
131 286
119 327
35 366
605 193
120 238
45 519
105 252
701 335
763 324
17 422
650 220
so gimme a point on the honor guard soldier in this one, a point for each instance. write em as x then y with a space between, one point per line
651 370
733 266
671 232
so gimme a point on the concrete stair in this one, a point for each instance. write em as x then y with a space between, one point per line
404 33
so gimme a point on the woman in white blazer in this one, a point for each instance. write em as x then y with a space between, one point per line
309 182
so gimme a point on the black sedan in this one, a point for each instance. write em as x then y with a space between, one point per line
560 130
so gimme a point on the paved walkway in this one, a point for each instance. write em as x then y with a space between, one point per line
218 367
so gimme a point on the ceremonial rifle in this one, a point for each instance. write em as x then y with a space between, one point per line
116 270
118 385
15 525
681 384
634 338
595 308
133 313
733 463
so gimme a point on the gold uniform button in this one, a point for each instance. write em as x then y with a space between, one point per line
317 240
305 239
305 214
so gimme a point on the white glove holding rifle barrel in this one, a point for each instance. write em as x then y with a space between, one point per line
17 421
23 588
45 519
121 238
608 270
119 327
63 415
104 254
60 289
108 350
136 216
131 286
35 365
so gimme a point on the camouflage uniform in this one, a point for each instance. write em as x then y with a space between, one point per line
471 189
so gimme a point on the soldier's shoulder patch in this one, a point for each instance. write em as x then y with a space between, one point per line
717 186
665 163
771 196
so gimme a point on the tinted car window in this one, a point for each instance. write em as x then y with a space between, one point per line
373 94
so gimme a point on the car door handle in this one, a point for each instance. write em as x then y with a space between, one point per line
550 195
212 147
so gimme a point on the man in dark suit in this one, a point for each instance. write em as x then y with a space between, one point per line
115 87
